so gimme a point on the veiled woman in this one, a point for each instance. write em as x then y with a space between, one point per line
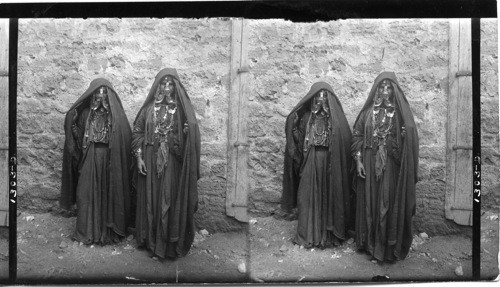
316 171
96 162
166 143
385 148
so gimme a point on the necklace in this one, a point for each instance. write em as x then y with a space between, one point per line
381 128
99 122
320 129
163 119
100 126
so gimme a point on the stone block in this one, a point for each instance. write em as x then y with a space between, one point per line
490 156
266 194
489 117
211 215
23 141
29 125
30 105
218 169
262 208
266 144
213 186
489 140
45 141
199 105
432 152
75 81
26 157
438 172
256 129
214 149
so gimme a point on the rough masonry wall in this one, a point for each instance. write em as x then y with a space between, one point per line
490 145
287 58
59 58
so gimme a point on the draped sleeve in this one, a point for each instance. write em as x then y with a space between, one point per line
299 134
78 132
176 137
139 131
358 135
394 139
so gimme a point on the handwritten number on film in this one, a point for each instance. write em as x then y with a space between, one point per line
477 175
12 183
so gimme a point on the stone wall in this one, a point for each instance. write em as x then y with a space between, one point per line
490 145
287 58
58 59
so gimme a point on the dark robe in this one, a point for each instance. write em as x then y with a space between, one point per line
386 197
317 181
95 176
167 195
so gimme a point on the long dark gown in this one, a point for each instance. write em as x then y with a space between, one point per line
158 189
313 193
386 197
375 204
316 176
95 169
167 197
94 222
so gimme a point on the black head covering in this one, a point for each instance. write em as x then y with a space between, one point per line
404 206
182 96
188 193
119 146
340 161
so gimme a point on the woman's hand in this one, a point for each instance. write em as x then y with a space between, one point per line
141 166
360 169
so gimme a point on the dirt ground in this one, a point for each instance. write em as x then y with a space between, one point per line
46 254
274 258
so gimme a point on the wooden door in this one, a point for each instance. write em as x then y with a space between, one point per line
458 199
4 122
237 184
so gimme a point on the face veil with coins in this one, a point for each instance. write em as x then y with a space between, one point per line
96 160
166 145
316 169
99 122
385 151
